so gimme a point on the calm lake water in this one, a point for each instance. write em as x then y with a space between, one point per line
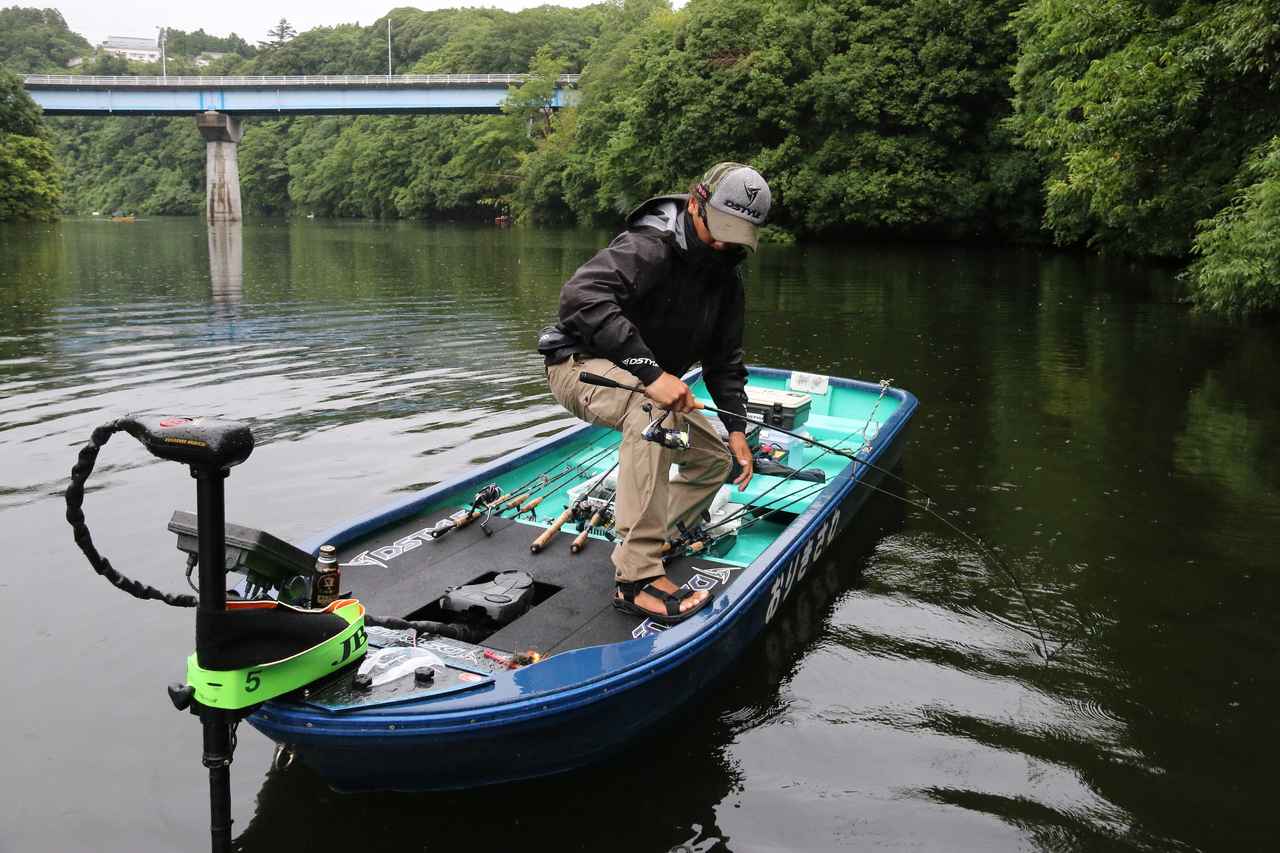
1119 452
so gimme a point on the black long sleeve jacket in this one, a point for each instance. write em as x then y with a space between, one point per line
651 303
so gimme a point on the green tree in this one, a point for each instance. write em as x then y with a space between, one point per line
1143 113
34 41
30 185
191 44
278 35
1237 267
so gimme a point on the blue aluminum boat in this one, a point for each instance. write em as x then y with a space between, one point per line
601 677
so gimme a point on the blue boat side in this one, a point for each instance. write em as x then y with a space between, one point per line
577 705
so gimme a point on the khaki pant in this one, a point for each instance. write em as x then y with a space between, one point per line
649 505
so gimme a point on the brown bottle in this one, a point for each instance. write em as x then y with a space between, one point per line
328 577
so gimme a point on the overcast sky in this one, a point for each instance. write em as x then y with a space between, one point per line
98 19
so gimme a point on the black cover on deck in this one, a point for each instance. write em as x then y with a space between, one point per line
579 614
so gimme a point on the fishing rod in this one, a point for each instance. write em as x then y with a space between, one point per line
602 518
698 539
547 488
603 382
516 493
575 510
984 549
491 499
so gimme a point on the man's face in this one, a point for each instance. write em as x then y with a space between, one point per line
700 227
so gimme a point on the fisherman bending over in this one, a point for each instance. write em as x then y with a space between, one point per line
664 295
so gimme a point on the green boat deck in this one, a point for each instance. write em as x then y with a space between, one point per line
838 418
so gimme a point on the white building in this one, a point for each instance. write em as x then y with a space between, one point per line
137 49
208 57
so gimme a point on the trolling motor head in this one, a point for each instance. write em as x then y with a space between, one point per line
668 437
202 443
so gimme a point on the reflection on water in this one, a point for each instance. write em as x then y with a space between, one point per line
1115 449
226 262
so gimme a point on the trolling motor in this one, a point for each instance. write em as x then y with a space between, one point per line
247 652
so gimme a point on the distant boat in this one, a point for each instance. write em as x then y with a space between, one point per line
127 218
502 220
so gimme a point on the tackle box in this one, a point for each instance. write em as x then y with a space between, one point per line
786 409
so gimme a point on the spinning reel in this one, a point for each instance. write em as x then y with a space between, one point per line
482 505
669 437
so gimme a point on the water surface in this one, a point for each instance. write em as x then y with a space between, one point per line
1118 452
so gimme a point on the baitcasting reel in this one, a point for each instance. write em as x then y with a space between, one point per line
668 437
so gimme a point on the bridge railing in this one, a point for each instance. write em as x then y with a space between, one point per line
344 80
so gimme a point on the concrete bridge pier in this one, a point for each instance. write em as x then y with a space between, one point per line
222 134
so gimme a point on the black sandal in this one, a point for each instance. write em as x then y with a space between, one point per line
625 600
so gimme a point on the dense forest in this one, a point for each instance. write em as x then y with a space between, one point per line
1141 127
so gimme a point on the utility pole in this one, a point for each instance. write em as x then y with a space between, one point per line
388 46
164 62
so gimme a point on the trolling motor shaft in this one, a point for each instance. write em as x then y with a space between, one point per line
210 448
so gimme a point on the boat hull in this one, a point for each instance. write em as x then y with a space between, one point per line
578 707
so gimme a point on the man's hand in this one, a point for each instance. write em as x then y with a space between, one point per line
671 393
742 452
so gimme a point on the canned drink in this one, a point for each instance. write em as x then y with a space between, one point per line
328 577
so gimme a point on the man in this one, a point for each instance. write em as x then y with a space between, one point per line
664 295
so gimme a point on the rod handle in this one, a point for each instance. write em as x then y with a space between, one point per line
581 541
604 382
531 505
511 500
547 535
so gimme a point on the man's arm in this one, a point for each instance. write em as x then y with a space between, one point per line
723 367
726 377
592 299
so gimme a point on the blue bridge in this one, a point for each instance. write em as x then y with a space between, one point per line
219 102
402 93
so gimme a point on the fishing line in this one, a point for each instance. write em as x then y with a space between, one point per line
545 488
546 472
926 506
983 549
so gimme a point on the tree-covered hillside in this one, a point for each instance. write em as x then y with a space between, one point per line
1142 127
29 175
37 41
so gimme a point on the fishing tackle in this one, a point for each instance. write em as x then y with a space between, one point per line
602 520
668 437
575 510
926 505
485 498
522 502
536 481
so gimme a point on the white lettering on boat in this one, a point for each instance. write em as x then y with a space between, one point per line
379 556
799 564
363 559
704 578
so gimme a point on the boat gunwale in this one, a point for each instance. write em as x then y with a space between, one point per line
668 650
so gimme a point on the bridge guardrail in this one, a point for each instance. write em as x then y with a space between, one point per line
198 82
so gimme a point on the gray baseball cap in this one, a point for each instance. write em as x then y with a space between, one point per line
739 203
